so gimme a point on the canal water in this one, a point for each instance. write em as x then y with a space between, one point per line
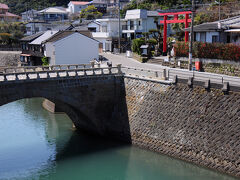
35 144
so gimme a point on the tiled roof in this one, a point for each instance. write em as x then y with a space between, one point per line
62 34
233 22
7 14
3 6
55 10
32 37
43 37
79 2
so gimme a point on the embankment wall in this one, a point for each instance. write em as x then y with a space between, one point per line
192 124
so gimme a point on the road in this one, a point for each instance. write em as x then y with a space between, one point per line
130 62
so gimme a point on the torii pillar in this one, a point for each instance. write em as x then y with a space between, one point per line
176 19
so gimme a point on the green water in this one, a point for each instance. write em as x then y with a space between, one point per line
35 144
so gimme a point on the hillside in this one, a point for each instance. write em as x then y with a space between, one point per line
19 6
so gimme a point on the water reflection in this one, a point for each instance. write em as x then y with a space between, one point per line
36 144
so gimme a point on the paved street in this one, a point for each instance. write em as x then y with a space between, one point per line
130 62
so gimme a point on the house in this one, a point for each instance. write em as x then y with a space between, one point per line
32 49
225 31
71 47
7 16
27 52
76 6
54 14
33 27
90 25
30 15
138 21
107 32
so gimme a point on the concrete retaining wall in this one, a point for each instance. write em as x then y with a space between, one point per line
187 123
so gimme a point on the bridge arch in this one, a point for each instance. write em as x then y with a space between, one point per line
93 103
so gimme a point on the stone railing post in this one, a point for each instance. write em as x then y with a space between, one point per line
102 71
67 74
27 76
16 77
48 75
84 70
92 64
5 77
38 76
58 76
164 77
119 67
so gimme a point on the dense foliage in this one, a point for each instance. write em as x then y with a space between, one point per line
90 12
11 33
209 50
19 6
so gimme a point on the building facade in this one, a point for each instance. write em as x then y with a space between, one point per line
76 6
70 47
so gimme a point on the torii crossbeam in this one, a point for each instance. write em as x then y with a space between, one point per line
175 14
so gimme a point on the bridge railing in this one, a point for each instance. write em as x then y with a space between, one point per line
145 73
44 68
58 73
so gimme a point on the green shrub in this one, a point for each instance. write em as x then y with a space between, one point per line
136 44
45 61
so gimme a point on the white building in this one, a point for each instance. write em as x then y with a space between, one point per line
106 31
76 6
54 14
138 21
70 47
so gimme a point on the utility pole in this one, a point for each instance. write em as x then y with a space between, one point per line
191 38
119 28
219 9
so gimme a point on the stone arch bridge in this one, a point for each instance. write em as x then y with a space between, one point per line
93 98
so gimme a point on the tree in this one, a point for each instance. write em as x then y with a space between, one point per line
90 12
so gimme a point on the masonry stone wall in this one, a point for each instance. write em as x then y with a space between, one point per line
188 123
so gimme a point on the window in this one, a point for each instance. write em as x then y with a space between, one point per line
215 39
131 25
104 28
203 37
37 29
28 29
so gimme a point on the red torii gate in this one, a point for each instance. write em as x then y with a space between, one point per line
165 21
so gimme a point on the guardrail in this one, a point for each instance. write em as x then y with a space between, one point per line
58 73
211 78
